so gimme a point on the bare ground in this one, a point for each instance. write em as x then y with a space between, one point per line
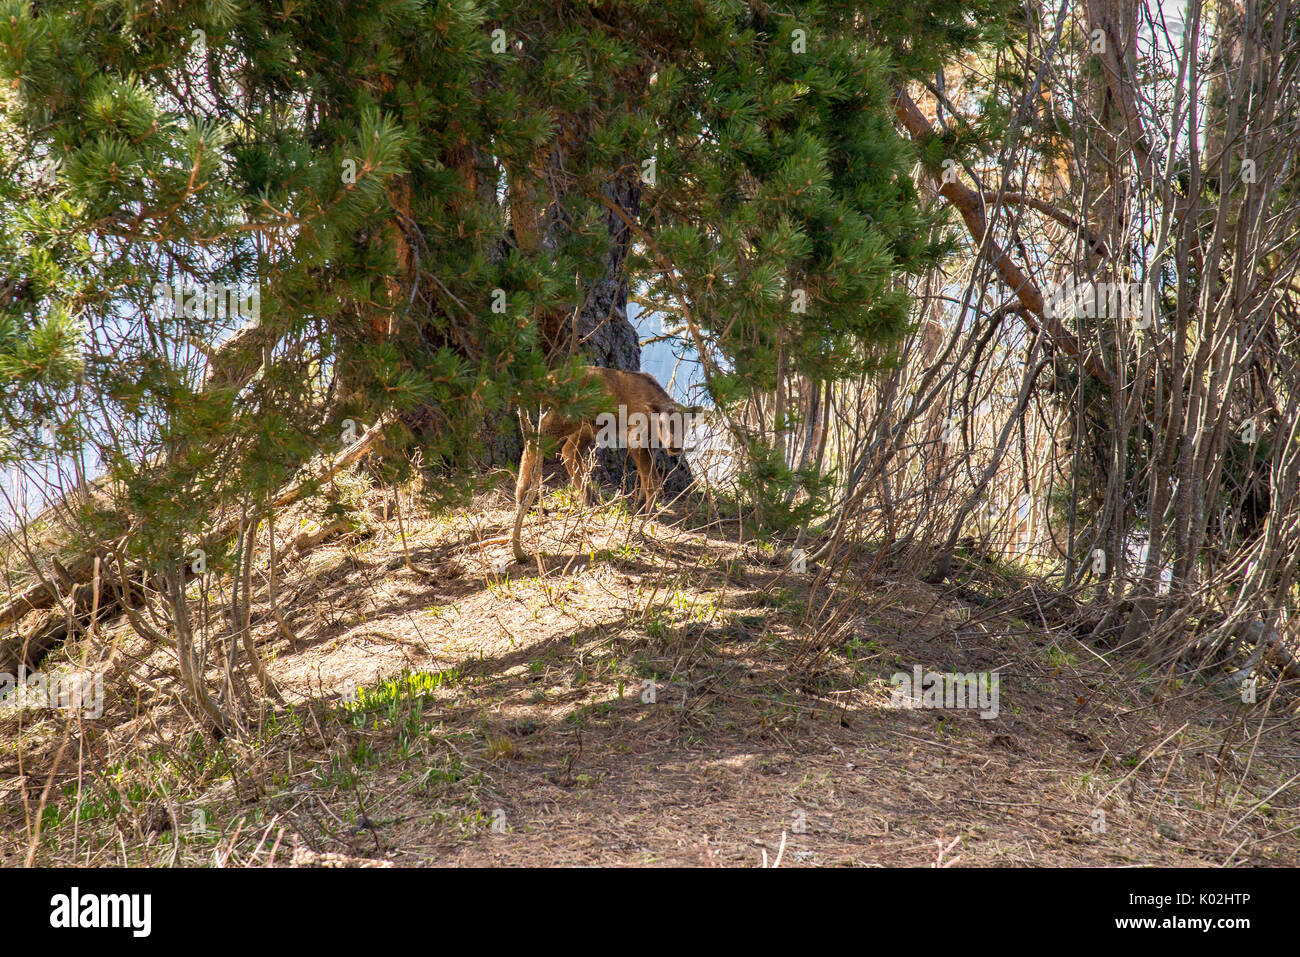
471 711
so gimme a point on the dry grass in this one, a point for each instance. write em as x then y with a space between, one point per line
454 713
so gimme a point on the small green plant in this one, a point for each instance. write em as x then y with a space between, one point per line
779 597
343 500
658 626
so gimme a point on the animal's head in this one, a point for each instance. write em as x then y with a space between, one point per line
669 428
673 426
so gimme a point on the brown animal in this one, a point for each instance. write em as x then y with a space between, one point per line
642 412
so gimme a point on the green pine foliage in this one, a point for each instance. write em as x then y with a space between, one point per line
420 194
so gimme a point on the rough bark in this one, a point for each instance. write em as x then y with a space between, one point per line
608 336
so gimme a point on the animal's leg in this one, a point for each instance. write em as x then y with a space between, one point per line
586 462
525 492
573 453
649 477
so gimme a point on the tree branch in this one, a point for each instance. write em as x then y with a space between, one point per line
970 205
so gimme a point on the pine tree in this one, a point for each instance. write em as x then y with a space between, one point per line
422 208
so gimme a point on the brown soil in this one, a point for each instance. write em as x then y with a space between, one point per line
534 746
